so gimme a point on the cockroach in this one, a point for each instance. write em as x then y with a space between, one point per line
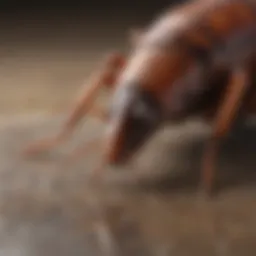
169 75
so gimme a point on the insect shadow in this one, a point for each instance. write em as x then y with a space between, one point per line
236 165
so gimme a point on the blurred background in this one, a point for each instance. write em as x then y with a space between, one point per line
48 48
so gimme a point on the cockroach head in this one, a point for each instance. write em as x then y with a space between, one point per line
135 116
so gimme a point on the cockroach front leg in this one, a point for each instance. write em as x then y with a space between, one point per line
225 116
107 76
135 35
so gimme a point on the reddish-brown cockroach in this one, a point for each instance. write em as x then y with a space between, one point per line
169 72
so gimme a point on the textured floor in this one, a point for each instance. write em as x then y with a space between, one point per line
50 207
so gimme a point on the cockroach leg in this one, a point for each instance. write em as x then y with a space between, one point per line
225 116
105 77
94 143
83 150
101 114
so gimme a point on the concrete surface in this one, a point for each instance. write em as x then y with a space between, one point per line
50 207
